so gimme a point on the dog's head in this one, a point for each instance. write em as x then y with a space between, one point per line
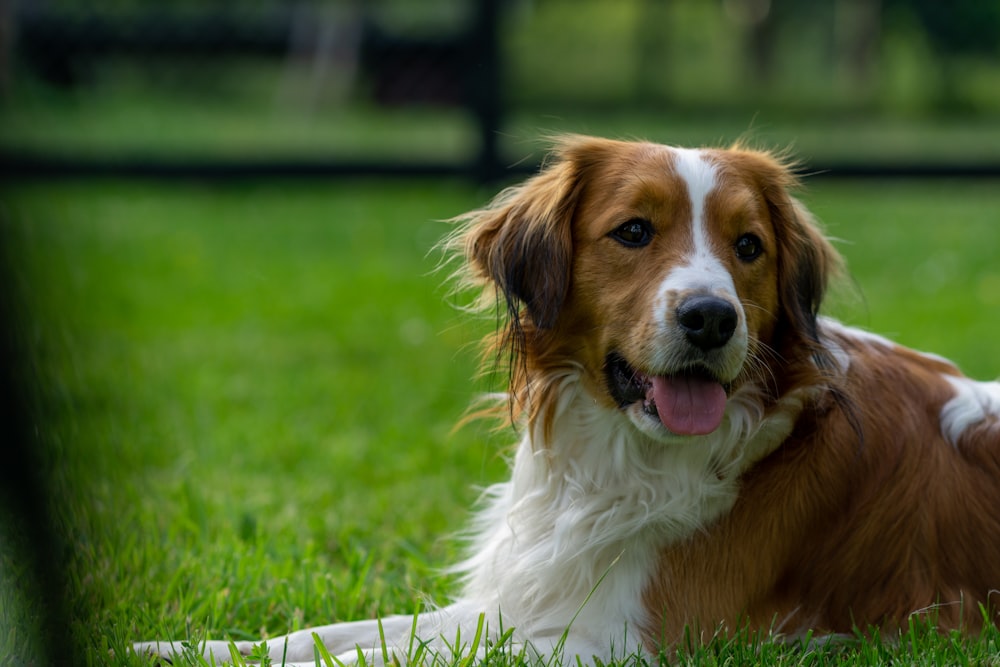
668 276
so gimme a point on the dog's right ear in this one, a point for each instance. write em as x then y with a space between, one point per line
523 241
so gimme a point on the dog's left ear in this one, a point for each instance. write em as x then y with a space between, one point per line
806 259
523 242
807 263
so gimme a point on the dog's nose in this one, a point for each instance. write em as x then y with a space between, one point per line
707 321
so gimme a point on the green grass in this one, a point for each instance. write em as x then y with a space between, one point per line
246 395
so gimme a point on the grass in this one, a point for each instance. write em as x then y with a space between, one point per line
245 396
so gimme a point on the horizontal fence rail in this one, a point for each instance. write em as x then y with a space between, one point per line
24 166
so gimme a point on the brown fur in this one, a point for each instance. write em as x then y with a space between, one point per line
831 534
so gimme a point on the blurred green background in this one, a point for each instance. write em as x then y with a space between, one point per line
876 80
236 395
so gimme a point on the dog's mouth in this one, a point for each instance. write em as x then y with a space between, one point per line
691 401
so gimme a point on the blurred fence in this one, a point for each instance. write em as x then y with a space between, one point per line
455 68
484 62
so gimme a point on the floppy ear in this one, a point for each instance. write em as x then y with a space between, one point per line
522 242
806 259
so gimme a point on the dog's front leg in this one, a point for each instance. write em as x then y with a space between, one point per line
446 631
179 650
442 631
298 647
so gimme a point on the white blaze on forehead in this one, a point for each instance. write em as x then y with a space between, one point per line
699 176
701 270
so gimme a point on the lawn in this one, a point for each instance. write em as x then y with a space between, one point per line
246 394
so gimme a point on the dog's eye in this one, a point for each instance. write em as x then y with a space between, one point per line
748 247
635 233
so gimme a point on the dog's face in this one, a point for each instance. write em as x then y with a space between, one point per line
675 273
667 275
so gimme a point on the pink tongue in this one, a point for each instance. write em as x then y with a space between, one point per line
688 404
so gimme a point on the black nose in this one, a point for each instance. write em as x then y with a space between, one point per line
707 321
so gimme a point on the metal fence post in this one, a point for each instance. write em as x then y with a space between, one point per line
484 86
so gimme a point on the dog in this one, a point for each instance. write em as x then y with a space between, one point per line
701 450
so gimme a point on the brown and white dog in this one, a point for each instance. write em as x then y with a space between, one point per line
700 449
